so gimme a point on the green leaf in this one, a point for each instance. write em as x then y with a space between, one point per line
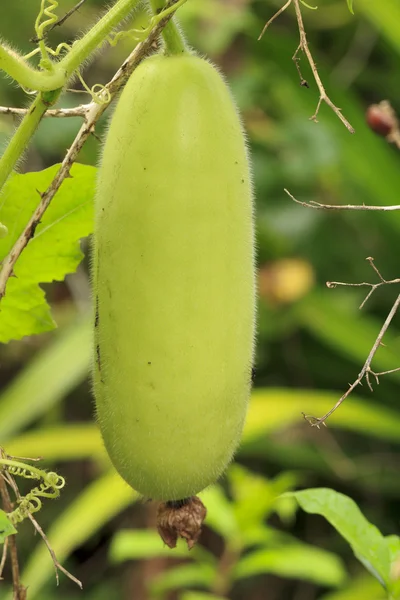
361 588
384 17
81 441
97 504
367 542
183 576
220 513
199 596
3 231
47 379
24 311
274 409
350 5
141 544
298 561
54 250
349 331
146 543
393 544
6 527
255 495
261 535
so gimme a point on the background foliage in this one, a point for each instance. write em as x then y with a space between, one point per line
312 341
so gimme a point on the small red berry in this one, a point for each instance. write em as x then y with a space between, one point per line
381 118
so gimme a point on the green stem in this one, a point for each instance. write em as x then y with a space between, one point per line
20 465
15 66
24 132
44 81
82 48
173 38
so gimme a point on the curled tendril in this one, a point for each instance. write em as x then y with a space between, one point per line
308 5
48 11
136 34
56 52
22 471
26 91
99 93
142 34
32 502
49 487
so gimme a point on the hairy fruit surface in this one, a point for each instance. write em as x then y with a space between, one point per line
174 285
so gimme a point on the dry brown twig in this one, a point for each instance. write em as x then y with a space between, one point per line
93 112
78 111
19 591
319 206
366 371
57 566
303 47
373 286
3 557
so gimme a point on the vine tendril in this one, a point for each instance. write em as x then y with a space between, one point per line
49 487
141 34
47 8
40 27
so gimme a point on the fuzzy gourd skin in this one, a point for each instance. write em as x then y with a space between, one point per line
173 279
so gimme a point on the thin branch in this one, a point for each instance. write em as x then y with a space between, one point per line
93 114
60 21
373 286
57 565
303 82
272 19
303 46
78 111
19 591
3 557
319 206
67 15
366 371
323 97
12 483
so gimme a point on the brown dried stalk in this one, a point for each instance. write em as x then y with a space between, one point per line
78 111
373 286
303 47
19 591
366 371
319 206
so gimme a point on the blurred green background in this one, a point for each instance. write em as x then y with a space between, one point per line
312 341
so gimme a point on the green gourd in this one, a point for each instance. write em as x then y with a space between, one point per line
174 284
